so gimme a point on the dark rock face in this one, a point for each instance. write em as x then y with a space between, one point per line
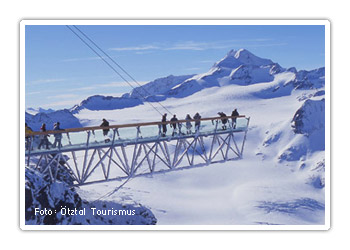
42 196
310 79
57 203
310 117
293 153
317 179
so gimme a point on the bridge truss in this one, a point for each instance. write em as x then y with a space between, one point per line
99 161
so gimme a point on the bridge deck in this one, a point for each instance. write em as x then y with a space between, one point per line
92 137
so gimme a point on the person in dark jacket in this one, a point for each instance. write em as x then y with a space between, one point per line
58 136
105 123
197 122
234 120
223 119
43 138
188 124
164 125
173 125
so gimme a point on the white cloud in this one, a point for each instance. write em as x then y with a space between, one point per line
33 93
66 103
93 58
142 47
188 45
192 69
207 61
83 88
193 45
267 45
52 80
63 96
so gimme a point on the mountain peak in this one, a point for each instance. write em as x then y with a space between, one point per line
243 53
236 58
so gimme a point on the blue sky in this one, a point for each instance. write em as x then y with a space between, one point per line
61 71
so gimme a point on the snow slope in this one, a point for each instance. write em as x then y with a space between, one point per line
280 179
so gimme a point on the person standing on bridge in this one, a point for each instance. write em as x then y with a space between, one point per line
58 136
234 119
105 123
197 122
43 138
173 125
188 124
223 119
164 125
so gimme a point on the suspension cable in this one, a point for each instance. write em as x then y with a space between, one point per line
112 67
120 67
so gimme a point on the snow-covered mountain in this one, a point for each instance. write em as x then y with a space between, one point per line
238 67
99 102
157 87
313 79
146 93
65 117
34 111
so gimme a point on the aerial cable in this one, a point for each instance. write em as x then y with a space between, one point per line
112 67
120 67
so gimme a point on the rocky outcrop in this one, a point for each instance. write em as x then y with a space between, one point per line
313 79
44 199
317 175
309 117
57 203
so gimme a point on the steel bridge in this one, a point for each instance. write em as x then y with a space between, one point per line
129 150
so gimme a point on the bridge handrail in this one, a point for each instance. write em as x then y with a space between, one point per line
126 125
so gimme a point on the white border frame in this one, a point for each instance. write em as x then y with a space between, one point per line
327 224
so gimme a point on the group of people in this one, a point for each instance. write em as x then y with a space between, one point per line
224 119
176 126
44 138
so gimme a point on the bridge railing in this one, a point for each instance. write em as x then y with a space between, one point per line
124 134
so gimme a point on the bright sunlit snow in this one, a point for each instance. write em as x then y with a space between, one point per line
280 179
